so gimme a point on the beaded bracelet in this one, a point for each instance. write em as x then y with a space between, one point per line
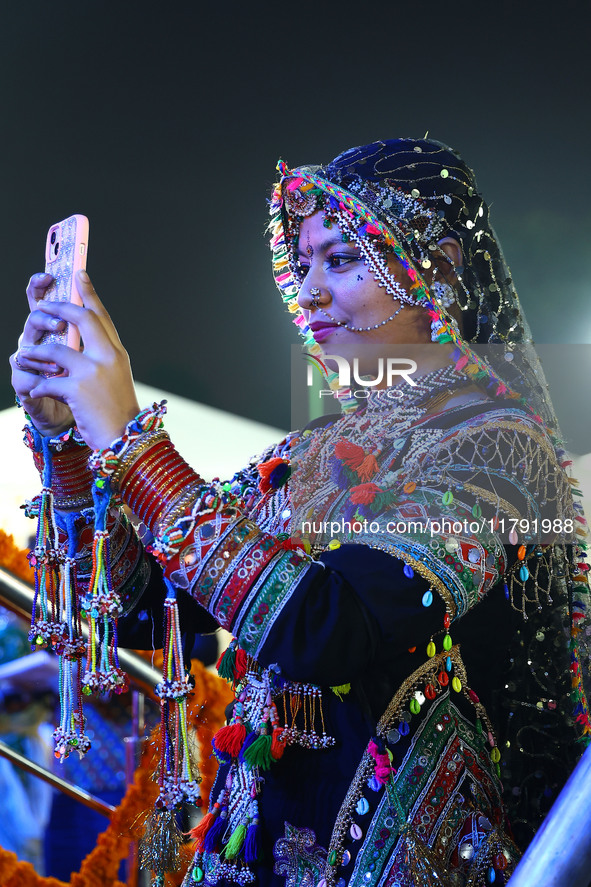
104 463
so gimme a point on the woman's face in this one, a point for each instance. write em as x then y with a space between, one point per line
350 294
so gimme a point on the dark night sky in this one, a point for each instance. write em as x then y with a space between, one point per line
163 124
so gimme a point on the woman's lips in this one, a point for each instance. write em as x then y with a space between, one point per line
322 331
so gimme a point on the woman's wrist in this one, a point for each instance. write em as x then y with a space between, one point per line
71 477
156 481
144 467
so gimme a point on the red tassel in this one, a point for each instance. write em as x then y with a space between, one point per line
240 665
230 739
265 469
278 743
349 453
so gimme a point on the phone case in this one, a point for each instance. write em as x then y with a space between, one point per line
66 248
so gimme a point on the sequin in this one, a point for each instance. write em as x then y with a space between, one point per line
474 556
466 850
444 173
415 192
451 544
393 736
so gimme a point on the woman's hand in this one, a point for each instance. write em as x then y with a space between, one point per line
49 416
97 388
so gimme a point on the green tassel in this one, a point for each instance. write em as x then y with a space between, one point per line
259 754
341 690
226 663
234 845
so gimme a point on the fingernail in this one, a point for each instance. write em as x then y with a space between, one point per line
41 276
55 322
84 276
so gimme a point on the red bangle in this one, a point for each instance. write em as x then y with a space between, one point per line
165 485
160 464
147 487
71 478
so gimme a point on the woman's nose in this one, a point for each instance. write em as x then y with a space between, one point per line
311 295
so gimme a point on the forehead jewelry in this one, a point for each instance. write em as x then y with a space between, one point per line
315 293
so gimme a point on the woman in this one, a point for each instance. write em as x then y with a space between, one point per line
359 749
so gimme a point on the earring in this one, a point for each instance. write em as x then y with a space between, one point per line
444 293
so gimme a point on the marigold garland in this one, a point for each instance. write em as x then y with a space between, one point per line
99 869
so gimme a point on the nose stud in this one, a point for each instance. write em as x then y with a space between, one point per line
315 293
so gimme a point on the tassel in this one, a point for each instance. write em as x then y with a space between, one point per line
383 768
215 834
278 743
273 473
341 690
252 737
230 739
368 468
159 846
198 833
420 862
258 754
226 662
176 779
252 844
240 664
234 845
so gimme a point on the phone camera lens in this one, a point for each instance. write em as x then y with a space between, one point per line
53 236
56 249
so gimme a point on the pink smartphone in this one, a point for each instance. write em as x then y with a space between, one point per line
65 254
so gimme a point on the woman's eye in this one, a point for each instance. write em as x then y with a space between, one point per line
342 261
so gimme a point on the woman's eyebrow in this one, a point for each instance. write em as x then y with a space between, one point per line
326 244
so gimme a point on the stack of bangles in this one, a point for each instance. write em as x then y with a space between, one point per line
71 478
155 481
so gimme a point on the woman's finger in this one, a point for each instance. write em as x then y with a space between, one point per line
93 328
91 301
56 387
37 324
37 288
21 363
51 353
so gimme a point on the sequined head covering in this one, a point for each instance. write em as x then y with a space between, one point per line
408 194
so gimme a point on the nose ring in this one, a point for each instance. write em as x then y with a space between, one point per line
315 293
